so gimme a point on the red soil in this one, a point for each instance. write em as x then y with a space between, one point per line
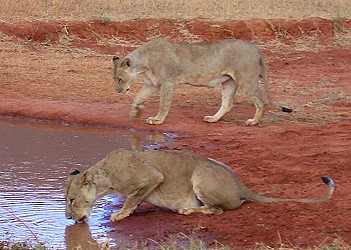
309 65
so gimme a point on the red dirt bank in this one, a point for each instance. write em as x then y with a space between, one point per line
285 156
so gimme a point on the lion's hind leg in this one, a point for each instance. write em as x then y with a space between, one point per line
259 110
216 188
250 87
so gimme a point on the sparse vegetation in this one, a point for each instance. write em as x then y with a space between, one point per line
219 10
105 19
335 244
186 242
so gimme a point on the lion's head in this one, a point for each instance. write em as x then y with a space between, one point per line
81 195
122 74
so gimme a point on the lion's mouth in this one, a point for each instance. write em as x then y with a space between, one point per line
82 219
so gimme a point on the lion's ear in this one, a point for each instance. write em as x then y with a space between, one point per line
115 58
74 171
87 178
126 62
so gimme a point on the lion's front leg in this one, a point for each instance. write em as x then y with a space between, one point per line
146 179
123 213
147 90
146 187
166 95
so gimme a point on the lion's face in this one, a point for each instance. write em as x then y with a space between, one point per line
123 74
80 196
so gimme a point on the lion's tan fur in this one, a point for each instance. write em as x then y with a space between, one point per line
232 64
178 180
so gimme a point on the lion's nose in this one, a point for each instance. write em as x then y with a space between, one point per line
118 89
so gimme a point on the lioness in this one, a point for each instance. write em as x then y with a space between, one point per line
231 63
178 180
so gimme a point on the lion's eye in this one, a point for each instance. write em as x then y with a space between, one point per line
119 80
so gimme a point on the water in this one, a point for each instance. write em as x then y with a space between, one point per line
34 164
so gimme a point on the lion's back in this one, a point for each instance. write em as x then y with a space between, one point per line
200 58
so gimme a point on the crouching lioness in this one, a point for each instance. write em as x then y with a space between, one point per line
230 63
181 181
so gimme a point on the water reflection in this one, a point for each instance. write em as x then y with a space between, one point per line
78 236
34 162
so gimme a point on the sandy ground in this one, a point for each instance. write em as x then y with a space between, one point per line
63 72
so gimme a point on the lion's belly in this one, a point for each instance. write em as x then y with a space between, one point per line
173 202
203 80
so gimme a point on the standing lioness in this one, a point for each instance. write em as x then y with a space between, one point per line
231 63
177 180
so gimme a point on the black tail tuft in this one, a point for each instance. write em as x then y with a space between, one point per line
284 109
326 180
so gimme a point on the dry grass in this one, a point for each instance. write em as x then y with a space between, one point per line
328 244
190 242
107 10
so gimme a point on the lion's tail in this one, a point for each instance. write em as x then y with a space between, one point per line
266 87
260 198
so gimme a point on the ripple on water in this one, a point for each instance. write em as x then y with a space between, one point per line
34 162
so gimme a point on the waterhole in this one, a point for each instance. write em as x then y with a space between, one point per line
34 162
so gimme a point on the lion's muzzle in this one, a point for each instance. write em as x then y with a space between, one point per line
121 89
82 219
125 91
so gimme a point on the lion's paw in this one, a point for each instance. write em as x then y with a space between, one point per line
118 216
154 121
251 122
186 211
135 112
209 118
